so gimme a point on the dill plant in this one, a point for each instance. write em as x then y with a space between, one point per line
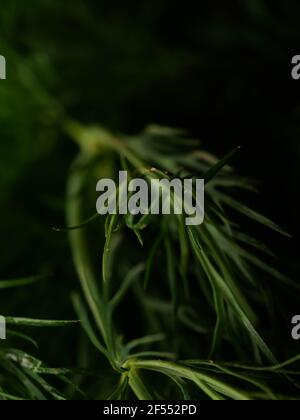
170 311
192 286
159 299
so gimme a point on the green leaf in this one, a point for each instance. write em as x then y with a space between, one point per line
208 384
139 236
38 322
83 316
151 257
7 284
208 176
113 220
138 386
184 255
241 208
22 337
148 339
79 226
120 391
172 276
131 277
231 297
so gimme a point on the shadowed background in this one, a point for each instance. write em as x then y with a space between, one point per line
221 70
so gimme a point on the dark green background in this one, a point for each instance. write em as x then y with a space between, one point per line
222 70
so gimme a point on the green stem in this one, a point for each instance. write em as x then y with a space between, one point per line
97 304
